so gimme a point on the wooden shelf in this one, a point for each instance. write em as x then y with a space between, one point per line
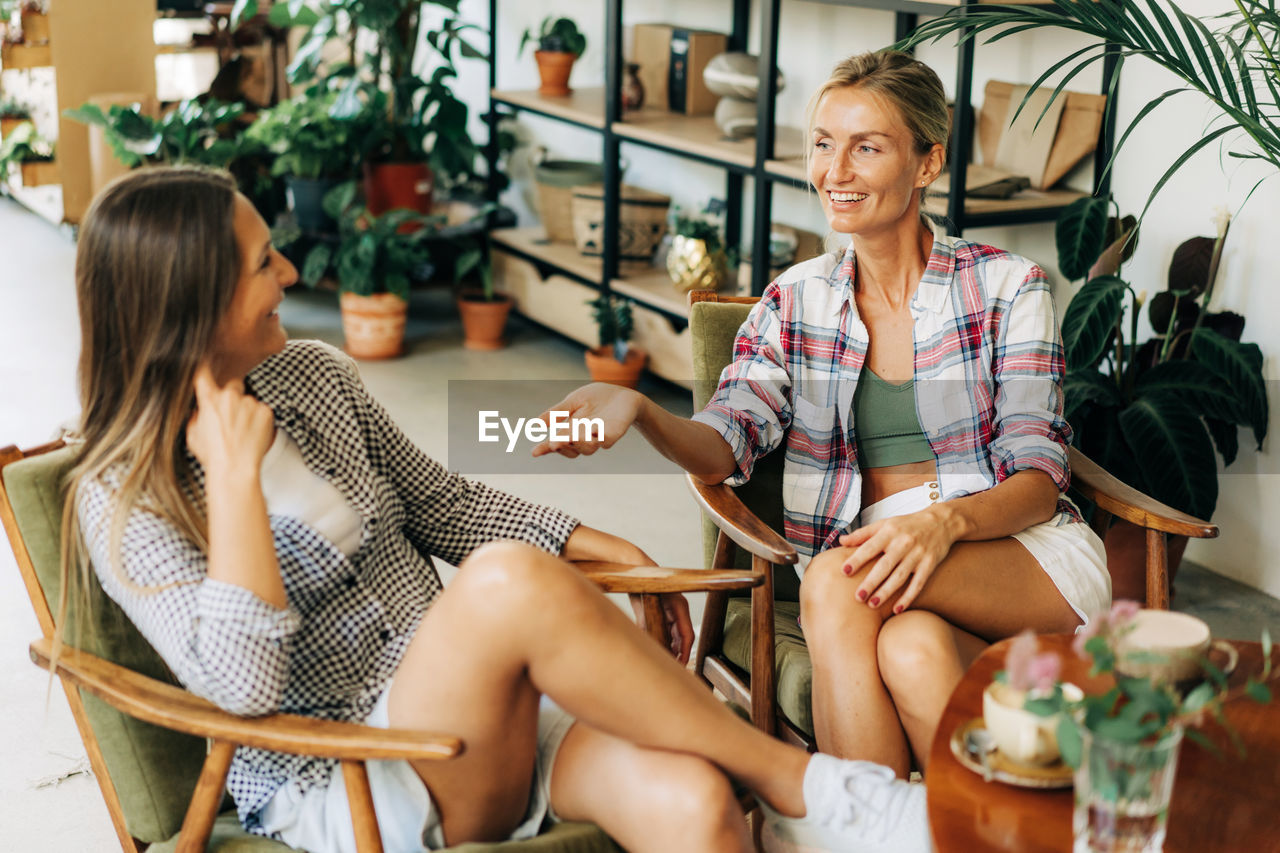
40 173
1027 201
14 57
647 285
581 106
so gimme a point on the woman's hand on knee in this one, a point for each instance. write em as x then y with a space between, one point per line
603 413
900 553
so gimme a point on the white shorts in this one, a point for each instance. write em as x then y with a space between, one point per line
319 821
1070 553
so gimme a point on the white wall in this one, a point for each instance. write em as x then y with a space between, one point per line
814 36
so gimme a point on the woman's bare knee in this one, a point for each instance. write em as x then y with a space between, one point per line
695 799
828 601
910 647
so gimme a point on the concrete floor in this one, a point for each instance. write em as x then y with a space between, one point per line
47 800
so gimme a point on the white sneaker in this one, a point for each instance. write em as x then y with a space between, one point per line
851 807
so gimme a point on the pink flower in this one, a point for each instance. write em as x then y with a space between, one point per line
1017 662
1044 670
1122 613
1087 633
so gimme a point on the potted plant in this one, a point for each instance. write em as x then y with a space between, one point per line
313 151
1154 414
484 310
191 132
614 361
1123 743
33 18
374 262
12 113
560 43
32 153
697 259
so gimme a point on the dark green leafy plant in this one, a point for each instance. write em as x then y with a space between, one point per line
614 322
382 254
1234 66
305 138
11 107
557 35
192 132
696 228
1152 414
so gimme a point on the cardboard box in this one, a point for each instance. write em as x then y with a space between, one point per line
671 61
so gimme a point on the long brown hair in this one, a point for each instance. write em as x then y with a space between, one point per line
156 267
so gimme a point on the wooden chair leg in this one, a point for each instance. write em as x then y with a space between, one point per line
203 809
763 662
1157 570
712 633
360 800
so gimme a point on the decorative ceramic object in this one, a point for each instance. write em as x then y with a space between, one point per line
632 88
734 75
692 267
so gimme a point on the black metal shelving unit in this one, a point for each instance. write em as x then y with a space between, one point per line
762 166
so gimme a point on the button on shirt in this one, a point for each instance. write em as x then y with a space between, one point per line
988 376
332 651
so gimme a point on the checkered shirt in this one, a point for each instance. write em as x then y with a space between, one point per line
332 651
988 383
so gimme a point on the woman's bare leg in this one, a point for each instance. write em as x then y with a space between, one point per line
989 589
517 622
646 799
922 658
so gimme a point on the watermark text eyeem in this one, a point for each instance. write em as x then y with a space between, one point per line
557 427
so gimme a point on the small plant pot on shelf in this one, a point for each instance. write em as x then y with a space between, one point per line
40 173
9 125
388 186
554 67
373 326
483 320
603 367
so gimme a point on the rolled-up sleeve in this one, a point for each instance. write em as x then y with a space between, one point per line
449 516
221 641
751 407
1029 431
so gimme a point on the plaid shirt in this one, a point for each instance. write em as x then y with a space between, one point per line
988 383
332 651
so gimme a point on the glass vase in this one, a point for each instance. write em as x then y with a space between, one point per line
1122 793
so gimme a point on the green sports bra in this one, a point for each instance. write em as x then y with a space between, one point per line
886 424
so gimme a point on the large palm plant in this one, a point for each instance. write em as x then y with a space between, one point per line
1154 413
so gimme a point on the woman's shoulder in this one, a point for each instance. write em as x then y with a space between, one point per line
820 268
999 269
303 367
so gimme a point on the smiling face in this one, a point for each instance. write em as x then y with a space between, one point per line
250 331
864 163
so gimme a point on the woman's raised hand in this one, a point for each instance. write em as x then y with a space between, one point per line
229 432
617 409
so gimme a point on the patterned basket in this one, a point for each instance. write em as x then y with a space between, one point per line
642 221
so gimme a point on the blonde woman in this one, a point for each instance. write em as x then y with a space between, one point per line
914 382
267 527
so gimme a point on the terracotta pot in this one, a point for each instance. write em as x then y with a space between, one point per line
373 325
605 368
1127 559
554 67
388 186
483 321
35 28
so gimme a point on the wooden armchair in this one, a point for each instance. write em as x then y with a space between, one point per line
161 754
752 650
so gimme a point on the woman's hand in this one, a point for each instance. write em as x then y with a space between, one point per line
676 622
902 551
615 406
229 432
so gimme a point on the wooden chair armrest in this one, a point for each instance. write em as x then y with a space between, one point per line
1124 501
172 707
739 523
619 577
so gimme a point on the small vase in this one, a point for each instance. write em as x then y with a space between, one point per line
632 88
1122 793
692 267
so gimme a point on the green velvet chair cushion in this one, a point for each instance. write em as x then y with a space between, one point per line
154 769
791 655
229 837
713 327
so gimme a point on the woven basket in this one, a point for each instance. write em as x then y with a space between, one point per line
642 220
556 180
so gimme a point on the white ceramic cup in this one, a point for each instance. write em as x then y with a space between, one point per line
1021 736
1165 646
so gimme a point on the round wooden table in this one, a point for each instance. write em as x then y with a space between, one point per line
1223 803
